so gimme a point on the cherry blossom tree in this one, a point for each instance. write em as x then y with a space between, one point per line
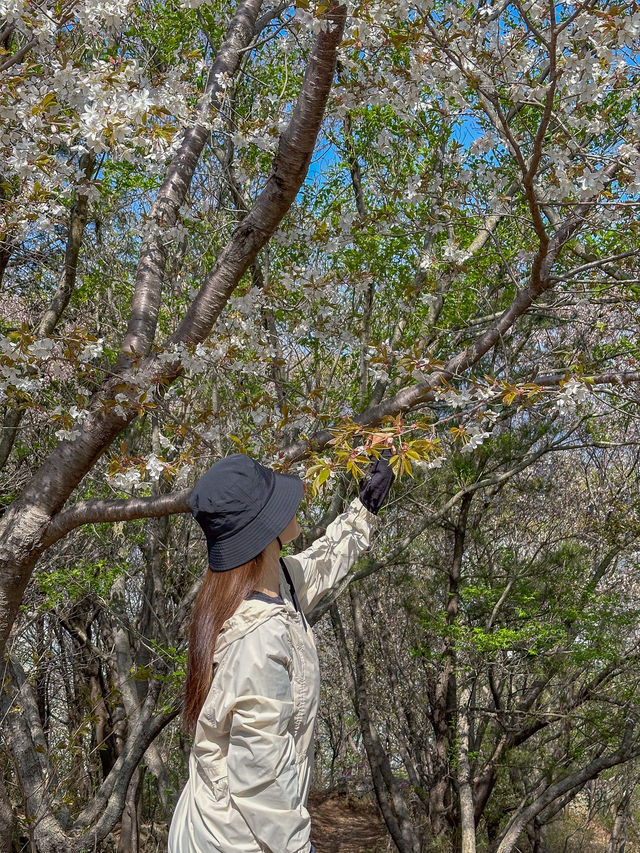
92 109
138 376
284 230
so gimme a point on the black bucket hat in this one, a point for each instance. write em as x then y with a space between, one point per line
242 506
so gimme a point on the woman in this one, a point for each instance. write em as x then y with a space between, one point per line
253 677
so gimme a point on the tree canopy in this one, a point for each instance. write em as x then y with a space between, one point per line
304 232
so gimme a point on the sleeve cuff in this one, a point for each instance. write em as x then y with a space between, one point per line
363 512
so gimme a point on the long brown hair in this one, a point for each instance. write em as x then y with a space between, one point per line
218 598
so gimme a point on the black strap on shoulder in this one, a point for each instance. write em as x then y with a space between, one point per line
292 588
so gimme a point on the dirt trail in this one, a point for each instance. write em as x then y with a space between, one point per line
338 826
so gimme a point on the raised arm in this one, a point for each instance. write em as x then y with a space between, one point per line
318 569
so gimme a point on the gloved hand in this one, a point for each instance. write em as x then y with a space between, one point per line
377 481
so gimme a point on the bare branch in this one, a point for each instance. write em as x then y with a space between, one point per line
77 222
94 511
612 378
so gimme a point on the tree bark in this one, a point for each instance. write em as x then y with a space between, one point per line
618 838
443 693
77 224
129 838
378 759
465 789
412 747
7 820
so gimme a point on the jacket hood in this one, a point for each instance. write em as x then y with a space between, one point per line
250 614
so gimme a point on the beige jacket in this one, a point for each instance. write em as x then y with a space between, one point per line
250 764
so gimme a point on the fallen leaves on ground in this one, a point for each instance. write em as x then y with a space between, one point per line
342 825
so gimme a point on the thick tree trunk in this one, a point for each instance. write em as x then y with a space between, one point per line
443 693
21 529
129 840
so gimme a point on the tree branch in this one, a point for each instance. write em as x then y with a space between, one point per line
60 300
557 789
147 295
288 172
128 509
413 395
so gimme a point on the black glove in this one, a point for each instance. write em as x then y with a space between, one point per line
377 481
